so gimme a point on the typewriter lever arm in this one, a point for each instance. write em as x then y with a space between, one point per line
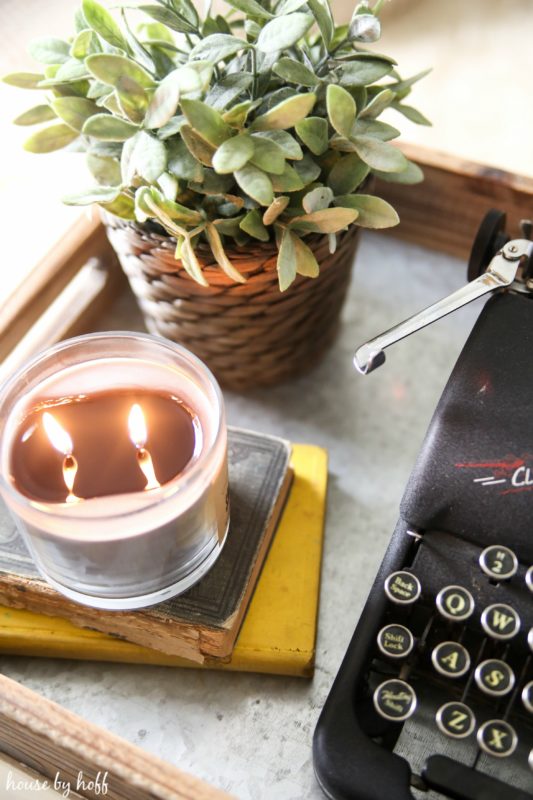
501 272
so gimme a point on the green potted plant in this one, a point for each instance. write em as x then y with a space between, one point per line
232 157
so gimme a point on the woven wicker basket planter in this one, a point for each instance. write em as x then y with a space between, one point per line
249 334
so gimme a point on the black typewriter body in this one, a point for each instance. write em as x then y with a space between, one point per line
434 698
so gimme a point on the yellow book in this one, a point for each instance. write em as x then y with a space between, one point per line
278 634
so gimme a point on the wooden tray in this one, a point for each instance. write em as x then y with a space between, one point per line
442 213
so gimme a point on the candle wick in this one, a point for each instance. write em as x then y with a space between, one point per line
144 460
70 468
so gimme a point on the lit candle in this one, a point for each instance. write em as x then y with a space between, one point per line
138 435
113 463
62 442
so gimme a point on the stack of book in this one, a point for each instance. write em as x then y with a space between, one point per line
256 610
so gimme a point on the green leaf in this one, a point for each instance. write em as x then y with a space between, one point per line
154 32
341 109
227 89
306 263
109 128
288 181
267 155
104 169
288 144
101 21
233 154
85 43
329 220
378 104
34 115
49 139
412 114
313 132
215 242
176 211
71 71
411 174
363 72
401 86
277 207
75 111
169 185
307 169
207 122
256 184
295 72
164 103
191 263
49 51
236 116
375 128
286 114
379 155
166 16
133 99
321 11
347 174
143 155
98 194
286 261
197 146
186 9
373 211
213 183
186 79
288 6
23 80
182 164
110 68
317 199
217 47
122 207
282 32
253 225
250 7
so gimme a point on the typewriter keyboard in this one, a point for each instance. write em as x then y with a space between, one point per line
455 647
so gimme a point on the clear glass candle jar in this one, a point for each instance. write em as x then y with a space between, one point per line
134 549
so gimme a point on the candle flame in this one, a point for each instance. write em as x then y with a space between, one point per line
138 435
61 441
58 436
137 426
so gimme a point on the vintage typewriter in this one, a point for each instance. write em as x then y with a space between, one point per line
434 698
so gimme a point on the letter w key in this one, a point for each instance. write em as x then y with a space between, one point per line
500 621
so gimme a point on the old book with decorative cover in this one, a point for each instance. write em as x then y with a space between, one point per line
204 621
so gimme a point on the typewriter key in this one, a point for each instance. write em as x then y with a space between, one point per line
455 603
456 720
500 621
529 579
494 677
497 738
530 639
527 696
451 659
395 641
395 700
402 587
530 759
498 562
